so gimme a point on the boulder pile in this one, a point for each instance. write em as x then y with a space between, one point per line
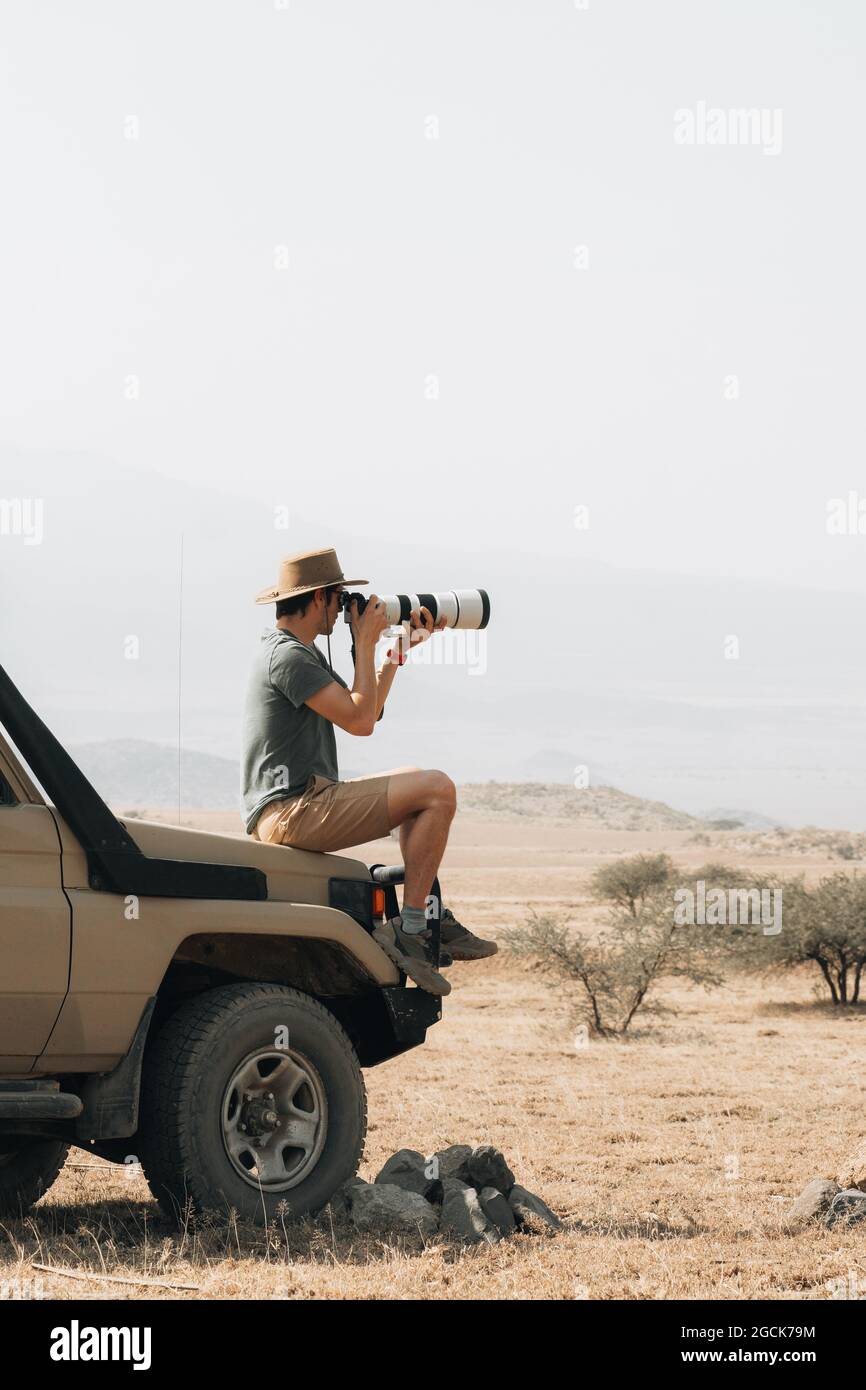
468 1194
839 1202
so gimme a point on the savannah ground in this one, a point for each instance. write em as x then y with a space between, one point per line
670 1155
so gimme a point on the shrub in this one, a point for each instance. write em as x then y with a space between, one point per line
617 971
628 882
826 924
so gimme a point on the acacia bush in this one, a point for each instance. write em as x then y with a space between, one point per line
825 924
615 973
616 970
628 882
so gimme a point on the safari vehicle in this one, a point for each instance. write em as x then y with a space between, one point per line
199 1003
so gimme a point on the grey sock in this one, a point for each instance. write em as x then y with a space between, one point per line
414 920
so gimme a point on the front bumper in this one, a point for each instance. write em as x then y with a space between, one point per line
385 1022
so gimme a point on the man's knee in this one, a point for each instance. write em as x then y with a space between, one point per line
421 790
444 790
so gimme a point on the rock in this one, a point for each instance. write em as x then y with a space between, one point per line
341 1202
529 1209
487 1168
463 1216
812 1203
451 1163
381 1204
406 1169
847 1208
496 1209
853 1170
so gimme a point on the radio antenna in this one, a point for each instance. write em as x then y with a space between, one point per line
179 675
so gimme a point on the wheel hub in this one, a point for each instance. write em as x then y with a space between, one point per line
274 1118
258 1115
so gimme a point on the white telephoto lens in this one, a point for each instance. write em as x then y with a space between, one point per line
392 608
448 607
470 608
466 608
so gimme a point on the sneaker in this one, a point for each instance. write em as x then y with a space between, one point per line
411 952
461 944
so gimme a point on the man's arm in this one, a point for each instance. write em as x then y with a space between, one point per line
354 710
384 678
420 627
357 710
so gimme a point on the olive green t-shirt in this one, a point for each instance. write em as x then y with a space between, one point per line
284 742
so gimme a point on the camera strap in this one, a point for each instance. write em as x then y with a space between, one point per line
328 640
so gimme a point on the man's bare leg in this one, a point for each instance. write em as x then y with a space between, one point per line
459 943
422 803
404 835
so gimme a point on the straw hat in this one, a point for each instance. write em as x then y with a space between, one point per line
301 574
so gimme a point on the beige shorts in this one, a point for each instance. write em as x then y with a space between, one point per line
328 815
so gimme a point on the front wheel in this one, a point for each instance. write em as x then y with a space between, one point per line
252 1098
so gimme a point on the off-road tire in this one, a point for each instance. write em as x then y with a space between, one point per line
27 1173
187 1069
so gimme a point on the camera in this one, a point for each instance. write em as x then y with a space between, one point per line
464 608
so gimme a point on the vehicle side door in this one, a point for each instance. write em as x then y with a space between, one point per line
35 929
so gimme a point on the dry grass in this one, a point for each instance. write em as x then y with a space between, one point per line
671 1155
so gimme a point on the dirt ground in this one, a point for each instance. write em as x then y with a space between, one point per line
670 1156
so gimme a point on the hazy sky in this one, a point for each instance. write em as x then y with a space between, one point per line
432 276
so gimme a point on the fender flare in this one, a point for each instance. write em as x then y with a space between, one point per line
111 1101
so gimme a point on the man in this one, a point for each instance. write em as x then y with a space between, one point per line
291 790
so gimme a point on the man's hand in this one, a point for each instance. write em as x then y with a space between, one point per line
418 628
422 626
356 710
367 629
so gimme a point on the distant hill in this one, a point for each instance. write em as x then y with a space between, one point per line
132 773
136 774
596 807
748 820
